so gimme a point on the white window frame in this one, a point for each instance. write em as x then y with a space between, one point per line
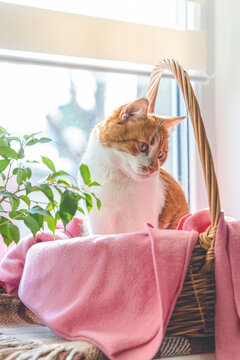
31 29
39 36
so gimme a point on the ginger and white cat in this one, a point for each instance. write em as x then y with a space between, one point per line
125 154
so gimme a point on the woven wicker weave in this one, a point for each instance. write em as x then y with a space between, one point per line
194 311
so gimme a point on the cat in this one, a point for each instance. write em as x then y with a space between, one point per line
125 154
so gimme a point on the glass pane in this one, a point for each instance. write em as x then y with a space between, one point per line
63 104
66 104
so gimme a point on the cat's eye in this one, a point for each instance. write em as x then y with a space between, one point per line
161 154
143 147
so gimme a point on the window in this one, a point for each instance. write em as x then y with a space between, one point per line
66 104
64 84
155 30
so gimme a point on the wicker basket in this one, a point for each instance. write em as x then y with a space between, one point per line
194 311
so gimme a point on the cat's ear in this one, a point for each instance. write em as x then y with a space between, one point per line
138 108
169 122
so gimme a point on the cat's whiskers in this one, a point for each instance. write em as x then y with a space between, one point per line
107 143
168 181
171 194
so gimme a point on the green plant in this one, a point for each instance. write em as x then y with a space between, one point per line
63 196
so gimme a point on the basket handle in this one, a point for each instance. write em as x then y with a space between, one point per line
207 238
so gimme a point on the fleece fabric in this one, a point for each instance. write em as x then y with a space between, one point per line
227 276
116 291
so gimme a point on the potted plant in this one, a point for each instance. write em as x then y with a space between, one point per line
63 196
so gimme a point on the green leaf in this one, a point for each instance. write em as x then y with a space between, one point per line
1 208
17 215
28 187
6 240
32 142
98 202
58 190
3 220
78 196
38 210
58 173
28 172
48 163
39 218
51 222
65 182
85 173
94 183
32 224
14 232
81 210
15 138
2 130
13 214
88 200
50 206
68 206
6 193
44 140
46 190
21 153
3 164
3 176
26 198
31 135
7 142
14 201
2 142
36 133
6 151
57 216
8 231
21 176
5 234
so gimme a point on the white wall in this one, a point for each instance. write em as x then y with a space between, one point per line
227 103
219 101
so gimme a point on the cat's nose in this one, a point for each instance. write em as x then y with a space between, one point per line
148 169
145 168
152 170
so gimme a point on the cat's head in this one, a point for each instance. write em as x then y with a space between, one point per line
137 140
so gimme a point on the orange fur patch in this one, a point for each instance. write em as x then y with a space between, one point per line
175 203
125 135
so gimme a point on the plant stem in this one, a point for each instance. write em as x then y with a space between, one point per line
8 175
6 222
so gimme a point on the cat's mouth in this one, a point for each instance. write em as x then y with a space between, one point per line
137 175
144 175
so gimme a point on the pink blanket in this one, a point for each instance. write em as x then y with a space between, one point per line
116 291
227 275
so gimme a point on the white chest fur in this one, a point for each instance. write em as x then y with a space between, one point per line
127 204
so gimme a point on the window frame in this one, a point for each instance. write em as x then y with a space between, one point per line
24 38
42 31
